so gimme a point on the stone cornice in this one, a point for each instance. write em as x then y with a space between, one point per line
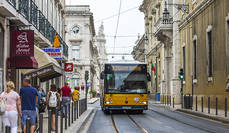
202 6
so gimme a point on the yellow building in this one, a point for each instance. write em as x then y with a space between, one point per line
204 47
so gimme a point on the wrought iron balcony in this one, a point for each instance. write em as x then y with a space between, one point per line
33 15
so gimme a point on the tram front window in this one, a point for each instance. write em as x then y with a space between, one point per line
126 82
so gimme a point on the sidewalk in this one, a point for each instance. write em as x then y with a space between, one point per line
93 100
177 107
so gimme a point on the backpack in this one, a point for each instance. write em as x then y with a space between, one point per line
3 105
53 99
227 87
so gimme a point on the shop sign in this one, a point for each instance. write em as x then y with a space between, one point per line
54 53
68 67
22 43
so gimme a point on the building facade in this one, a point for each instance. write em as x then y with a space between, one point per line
204 34
83 50
46 19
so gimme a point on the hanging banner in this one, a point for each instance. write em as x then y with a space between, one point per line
22 43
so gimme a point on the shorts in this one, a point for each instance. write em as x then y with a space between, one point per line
32 114
53 110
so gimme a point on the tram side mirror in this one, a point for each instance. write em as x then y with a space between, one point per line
102 75
148 77
148 92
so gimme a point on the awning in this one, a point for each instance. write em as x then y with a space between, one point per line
48 67
22 62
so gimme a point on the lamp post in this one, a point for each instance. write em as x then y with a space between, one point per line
146 42
165 17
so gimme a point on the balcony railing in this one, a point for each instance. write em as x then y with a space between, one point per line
161 25
32 14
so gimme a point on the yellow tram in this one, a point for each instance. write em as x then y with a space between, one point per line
124 87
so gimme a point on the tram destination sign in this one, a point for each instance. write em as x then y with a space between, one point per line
126 68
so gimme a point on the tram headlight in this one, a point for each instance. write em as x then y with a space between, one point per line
109 102
143 102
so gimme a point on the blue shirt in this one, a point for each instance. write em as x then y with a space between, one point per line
28 98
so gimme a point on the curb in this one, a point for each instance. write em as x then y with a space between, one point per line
81 122
199 114
93 101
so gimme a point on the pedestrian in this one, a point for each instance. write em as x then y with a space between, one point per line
41 104
29 98
12 107
53 100
76 94
66 97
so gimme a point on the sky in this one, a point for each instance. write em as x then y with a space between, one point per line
131 23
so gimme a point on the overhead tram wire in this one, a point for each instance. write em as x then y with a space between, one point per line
116 31
109 17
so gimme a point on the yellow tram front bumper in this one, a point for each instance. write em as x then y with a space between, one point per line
126 101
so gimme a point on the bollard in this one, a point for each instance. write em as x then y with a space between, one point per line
72 112
225 106
216 106
62 121
202 104
173 102
7 128
170 101
28 125
69 114
77 109
209 106
41 123
56 121
196 103
66 118
49 120
163 100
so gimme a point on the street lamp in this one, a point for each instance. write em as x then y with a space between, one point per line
146 42
165 14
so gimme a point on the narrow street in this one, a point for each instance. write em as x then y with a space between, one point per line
151 121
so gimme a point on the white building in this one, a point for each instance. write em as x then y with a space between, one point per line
83 52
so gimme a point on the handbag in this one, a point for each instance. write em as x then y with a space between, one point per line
2 105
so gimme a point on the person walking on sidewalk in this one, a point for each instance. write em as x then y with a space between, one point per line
29 98
66 97
76 94
53 100
12 107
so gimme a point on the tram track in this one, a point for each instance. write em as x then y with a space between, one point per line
136 124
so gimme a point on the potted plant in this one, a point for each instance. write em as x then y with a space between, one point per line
93 93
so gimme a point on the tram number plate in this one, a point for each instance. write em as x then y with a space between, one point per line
126 107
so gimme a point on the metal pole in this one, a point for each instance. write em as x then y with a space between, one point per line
170 101
56 121
72 112
66 117
216 106
77 109
28 125
69 115
196 103
41 123
173 102
61 121
7 128
209 105
225 106
49 121
202 104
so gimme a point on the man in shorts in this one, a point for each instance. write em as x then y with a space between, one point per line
29 98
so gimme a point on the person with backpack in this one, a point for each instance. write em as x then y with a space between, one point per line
53 100
66 93
10 107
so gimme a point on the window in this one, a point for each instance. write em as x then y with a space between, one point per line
184 60
227 46
50 11
41 5
209 51
195 58
75 81
76 52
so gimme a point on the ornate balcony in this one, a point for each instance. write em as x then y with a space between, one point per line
163 30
